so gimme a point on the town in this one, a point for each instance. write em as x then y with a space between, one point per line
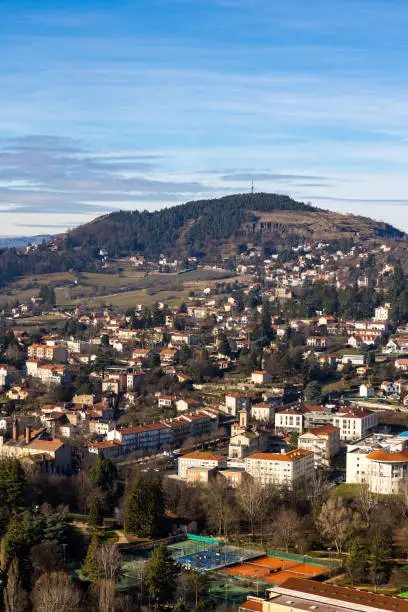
265 415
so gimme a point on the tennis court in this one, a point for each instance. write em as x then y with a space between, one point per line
207 560
273 570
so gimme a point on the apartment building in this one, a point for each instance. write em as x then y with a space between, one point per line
280 468
49 352
146 438
290 420
198 459
323 441
381 461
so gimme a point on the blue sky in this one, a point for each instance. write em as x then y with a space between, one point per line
140 104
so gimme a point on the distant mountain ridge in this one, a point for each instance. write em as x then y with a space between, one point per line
22 241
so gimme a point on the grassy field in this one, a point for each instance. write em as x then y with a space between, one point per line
124 289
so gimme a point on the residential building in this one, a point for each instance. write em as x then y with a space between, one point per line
263 412
261 377
283 469
289 420
199 459
49 454
8 375
48 352
381 461
234 402
323 441
145 438
367 390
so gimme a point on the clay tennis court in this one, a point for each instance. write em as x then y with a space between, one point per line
274 570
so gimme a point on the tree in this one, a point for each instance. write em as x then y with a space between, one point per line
104 475
161 575
379 562
253 499
46 557
109 561
15 597
55 593
287 528
12 483
95 516
356 564
195 586
144 505
223 344
366 502
219 506
17 538
337 522
90 567
313 392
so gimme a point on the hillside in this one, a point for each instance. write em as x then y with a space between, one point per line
207 229
204 227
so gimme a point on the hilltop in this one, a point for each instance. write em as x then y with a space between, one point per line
205 227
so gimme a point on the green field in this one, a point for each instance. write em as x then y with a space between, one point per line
124 289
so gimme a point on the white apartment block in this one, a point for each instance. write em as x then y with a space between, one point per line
379 461
289 421
198 459
354 424
281 469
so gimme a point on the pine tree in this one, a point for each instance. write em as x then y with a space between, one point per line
379 564
161 574
95 516
90 567
356 564
143 506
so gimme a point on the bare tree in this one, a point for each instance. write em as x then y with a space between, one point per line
15 597
106 592
219 506
337 522
255 501
401 539
366 502
316 485
287 528
55 593
108 560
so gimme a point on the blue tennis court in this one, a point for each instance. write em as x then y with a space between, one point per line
207 560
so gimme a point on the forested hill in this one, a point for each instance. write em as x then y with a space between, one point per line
180 229
207 229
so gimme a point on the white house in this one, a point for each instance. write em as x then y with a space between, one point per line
367 390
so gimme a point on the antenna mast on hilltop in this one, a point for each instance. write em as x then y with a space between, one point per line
252 188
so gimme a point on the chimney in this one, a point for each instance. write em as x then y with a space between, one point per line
28 435
15 430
